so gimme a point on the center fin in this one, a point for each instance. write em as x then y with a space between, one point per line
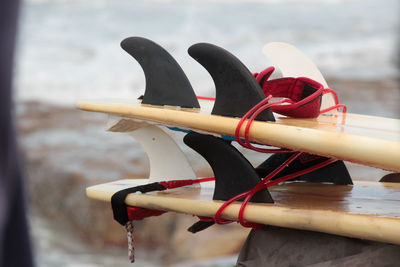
233 172
335 172
237 91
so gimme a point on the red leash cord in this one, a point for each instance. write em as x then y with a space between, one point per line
337 105
266 182
179 183
256 110
136 213
249 117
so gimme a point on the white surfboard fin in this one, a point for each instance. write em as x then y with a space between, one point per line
167 161
292 62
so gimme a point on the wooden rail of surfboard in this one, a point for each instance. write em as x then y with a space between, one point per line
364 150
370 227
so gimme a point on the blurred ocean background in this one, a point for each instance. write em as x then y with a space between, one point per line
69 50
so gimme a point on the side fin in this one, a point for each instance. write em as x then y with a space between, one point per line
166 83
167 161
237 91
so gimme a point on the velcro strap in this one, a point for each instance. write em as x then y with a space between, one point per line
118 200
295 89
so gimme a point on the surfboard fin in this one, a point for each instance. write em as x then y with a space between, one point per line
199 226
391 178
237 91
233 172
166 83
335 172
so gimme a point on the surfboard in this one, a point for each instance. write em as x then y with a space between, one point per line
363 139
365 210
170 100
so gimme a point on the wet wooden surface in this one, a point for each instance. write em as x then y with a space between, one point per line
367 210
367 198
367 140
357 124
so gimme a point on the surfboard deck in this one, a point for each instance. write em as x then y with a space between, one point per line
363 139
365 210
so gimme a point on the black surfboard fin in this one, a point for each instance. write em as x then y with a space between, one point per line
233 172
391 178
237 91
166 83
200 226
335 172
